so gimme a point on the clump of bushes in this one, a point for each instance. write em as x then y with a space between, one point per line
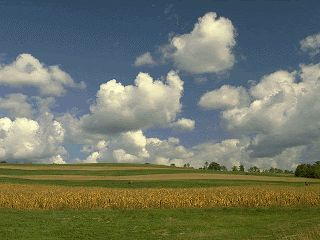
308 170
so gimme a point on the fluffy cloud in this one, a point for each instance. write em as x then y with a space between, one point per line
121 156
312 44
57 159
134 147
144 59
226 97
284 115
228 153
75 134
207 49
183 125
28 71
129 108
28 140
15 105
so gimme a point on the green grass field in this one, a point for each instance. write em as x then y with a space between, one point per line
225 223
238 223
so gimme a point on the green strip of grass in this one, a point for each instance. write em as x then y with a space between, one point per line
20 172
88 165
224 224
195 183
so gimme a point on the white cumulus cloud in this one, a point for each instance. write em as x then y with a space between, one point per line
28 140
121 156
206 49
283 115
311 44
144 59
183 125
28 71
128 108
15 105
225 98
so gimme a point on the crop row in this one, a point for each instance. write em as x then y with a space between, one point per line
41 197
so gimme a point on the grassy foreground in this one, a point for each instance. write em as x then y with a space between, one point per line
226 223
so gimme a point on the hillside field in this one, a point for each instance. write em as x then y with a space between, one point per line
144 201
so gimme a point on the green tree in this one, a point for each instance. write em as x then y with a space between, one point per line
234 168
3 162
214 166
313 171
317 163
254 169
301 170
205 165
308 170
272 170
224 168
241 168
172 165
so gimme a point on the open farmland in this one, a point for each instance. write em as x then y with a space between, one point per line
142 192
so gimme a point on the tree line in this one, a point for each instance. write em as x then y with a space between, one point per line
308 170
216 167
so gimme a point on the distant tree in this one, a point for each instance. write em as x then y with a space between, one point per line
286 171
214 166
172 165
254 169
188 165
265 171
234 168
307 170
272 170
3 162
185 165
205 165
279 170
224 168
317 163
301 170
241 168
313 172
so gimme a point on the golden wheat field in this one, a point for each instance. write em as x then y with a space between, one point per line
41 197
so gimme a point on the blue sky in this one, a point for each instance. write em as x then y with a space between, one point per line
160 82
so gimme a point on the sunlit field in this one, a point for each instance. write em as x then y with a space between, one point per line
41 197
245 200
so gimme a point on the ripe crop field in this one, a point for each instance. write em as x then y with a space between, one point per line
40 197
224 204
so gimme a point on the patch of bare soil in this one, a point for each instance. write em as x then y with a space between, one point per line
162 177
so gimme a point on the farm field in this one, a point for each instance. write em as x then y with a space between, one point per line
157 203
